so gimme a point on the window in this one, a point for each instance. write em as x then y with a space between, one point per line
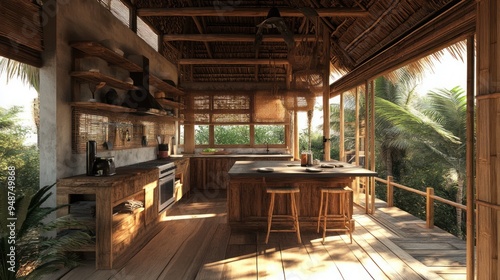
201 135
245 119
147 34
269 134
231 135
118 9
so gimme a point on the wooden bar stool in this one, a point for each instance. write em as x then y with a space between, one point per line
294 217
343 217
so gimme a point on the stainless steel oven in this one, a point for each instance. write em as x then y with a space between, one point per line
166 185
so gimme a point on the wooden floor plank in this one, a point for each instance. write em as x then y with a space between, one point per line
411 265
390 264
269 262
213 262
241 262
296 261
344 259
322 266
197 243
373 263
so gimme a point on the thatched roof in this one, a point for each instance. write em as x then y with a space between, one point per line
205 36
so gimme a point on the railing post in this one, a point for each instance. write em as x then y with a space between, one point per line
390 192
429 209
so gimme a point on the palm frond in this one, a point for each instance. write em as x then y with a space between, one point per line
28 74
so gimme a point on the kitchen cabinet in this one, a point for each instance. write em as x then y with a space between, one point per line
118 234
182 169
211 171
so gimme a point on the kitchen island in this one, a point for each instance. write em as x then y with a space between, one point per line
248 202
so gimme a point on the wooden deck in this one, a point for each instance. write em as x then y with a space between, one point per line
196 243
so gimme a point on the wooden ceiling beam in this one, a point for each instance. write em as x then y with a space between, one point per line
233 38
252 61
246 12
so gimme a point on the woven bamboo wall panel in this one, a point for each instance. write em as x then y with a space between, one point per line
247 107
231 118
201 102
231 102
121 131
202 118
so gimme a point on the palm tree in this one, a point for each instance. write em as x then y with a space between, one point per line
438 126
28 74
448 108
391 97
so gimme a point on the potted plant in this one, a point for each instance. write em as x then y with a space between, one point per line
36 252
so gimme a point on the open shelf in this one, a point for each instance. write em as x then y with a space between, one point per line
97 77
169 103
98 50
102 106
163 86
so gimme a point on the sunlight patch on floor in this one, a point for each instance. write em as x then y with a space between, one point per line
190 216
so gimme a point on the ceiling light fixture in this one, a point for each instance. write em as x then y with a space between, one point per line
274 21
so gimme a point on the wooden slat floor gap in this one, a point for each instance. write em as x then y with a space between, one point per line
196 243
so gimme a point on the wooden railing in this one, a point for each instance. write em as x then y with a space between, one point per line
429 194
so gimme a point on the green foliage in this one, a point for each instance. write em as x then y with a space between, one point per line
201 135
14 153
269 134
231 135
421 142
240 134
36 253
28 74
316 143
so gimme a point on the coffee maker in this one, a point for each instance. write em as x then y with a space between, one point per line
98 166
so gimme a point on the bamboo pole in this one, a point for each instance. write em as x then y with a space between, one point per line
372 141
488 129
470 193
367 149
326 97
356 133
341 129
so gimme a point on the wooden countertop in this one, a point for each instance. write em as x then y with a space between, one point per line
292 169
284 156
123 173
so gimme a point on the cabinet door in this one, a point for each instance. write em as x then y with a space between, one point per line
151 204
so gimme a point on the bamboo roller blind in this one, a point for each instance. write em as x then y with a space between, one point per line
21 31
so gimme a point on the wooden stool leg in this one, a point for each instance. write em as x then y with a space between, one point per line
270 216
295 217
325 216
320 209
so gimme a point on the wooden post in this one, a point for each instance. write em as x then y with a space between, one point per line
296 151
470 160
429 208
390 192
356 133
341 129
326 94
488 130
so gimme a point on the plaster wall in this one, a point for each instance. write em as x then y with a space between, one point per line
83 20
